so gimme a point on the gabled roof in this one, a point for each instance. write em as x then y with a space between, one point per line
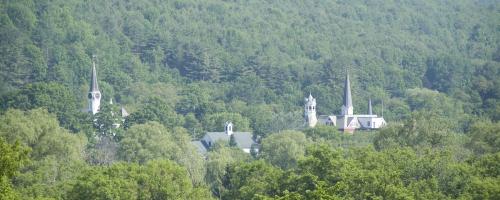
216 136
199 146
244 140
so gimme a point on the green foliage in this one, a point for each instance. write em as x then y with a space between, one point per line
197 63
433 102
484 137
106 122
215 122
144 142
13 157
155 109
56 155
431 69
150 141
54 97
40 131
157 179
248 181
485 83
216 164
284 149
422 129
322 133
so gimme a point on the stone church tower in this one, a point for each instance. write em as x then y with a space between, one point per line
310 111
94 93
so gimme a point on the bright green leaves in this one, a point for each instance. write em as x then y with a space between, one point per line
144 142
56 155
284 149
247 181
13 157
159 179
484 137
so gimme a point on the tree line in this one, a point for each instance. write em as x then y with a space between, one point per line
182 68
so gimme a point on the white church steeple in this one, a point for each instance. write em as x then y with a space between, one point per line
310 111
347 108
94 93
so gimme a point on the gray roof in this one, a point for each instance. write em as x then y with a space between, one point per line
243 139
347 92
93 84
216 136
199 146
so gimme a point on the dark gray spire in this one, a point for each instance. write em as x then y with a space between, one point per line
347 92
370 106
93 84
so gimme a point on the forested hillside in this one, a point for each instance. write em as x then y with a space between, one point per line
182 68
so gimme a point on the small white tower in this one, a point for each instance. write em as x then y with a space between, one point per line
94 93
310 111
228 128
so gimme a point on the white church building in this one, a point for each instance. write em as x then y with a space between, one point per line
347 121
95 96
243 140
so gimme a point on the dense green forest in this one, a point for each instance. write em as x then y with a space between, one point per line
183 67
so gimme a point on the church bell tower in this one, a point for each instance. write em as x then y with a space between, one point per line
94 93
310 111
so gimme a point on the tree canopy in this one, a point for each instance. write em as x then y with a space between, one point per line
182 68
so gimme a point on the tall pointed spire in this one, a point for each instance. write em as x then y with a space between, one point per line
93 84
347 91
370 106
347 108
94 93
